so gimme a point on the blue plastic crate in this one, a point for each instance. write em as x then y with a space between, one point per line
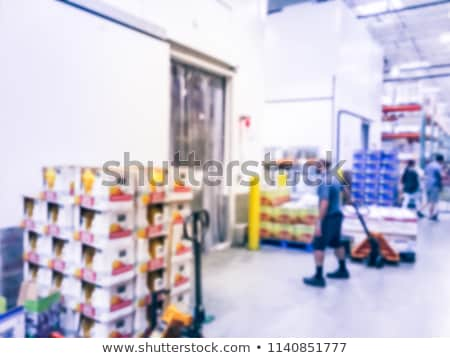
358 166
358 185
359 156
374 155
358 177
386 196
389 156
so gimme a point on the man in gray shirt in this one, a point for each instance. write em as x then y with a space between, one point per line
433 186
328 228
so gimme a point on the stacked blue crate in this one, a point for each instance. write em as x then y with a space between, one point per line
375 177
11 264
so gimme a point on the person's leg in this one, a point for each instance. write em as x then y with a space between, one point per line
434 199
406 199
424 205
319 244
319 257
339 251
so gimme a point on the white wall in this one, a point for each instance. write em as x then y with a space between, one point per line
309 47
359 82
74 89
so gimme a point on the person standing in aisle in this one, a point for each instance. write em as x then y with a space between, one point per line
411 186
328 228
433 186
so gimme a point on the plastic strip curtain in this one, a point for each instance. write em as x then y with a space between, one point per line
197 125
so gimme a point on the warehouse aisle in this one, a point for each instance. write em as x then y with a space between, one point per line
260 294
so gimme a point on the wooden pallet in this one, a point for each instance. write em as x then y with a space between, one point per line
287 244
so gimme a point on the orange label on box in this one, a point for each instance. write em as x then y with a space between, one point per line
122 269
120 305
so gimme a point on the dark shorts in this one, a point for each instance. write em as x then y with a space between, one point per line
433 195
331 233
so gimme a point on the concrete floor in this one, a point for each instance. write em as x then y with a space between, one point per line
261 294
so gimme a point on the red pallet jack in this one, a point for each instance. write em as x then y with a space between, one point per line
375 249
179 324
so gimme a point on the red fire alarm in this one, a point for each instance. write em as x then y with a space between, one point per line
245 121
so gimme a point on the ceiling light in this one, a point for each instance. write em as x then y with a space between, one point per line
372 8
445 37
412 65
430 90
396 4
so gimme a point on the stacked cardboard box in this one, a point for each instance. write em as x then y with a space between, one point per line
375 177
102 242
287 220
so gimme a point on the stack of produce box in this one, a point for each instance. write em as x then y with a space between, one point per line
105 230
160 210
375 177
287 220
106 243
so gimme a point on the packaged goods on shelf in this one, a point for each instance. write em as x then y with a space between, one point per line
274 196
181 276
37 248
117 185
100 228
69 287
293 220
375 176
105 247
58 181
151 254
111 264
34 214
60 220
106 303
152 220
119 328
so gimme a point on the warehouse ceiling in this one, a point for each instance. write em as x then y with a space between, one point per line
415 36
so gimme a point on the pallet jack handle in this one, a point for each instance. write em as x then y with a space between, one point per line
194 229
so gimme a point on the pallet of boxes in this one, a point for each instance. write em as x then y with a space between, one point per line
286 220
100 241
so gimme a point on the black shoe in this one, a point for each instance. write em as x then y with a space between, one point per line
339 274
434 218
420 215
314 281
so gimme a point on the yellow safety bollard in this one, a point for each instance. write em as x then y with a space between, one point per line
282 180
254 198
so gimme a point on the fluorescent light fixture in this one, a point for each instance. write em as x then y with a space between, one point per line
444 37
430 90
372 8
396 4
395 71
414 64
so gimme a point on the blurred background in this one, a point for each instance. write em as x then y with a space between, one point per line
84 81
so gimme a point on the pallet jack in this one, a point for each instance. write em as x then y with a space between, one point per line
374 249
180 324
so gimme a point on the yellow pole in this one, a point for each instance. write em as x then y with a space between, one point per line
254 198
282 179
